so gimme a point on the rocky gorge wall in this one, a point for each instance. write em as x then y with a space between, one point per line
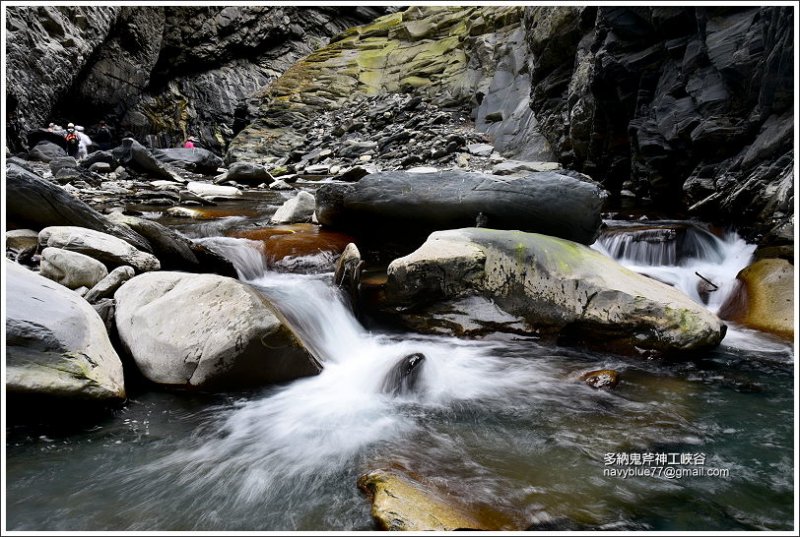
673 106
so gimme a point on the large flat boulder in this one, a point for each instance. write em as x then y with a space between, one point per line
544 202
556 287
193 159
100 246
207 331
37 203
56 343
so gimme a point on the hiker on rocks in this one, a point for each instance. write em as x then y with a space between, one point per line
83 143
189 143
73 140
103 136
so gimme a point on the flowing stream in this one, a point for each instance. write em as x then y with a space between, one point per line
500 422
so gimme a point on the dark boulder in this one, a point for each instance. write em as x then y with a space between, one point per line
99 156
32 201
195 160
134 155
46 151
175 251
403 376
543 202
246 173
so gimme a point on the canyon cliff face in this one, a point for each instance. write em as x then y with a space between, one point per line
465 59
672 106
158 73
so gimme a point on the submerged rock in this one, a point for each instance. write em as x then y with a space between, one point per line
71 269
602 378
545 202
402 502
557 286
100 246
207 331
765 298
56 343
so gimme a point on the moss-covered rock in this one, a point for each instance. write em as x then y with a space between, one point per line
557 286
401 501
426 50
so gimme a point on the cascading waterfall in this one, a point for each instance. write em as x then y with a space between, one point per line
687 257
692 259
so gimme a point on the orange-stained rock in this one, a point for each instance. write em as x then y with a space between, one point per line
296 240
765 298
403 501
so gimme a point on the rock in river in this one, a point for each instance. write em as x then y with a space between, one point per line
556 286
56 343
403 502
100 246
765 298
297 210
207 331
545 202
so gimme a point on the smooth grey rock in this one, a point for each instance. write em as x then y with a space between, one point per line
106 287
100 246
173 250
62 162
101 167
480 150
296 210
556 286
71 269
56 343
545 202
213 192
509 167
20 240
206 331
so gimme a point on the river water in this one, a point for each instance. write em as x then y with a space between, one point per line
499 422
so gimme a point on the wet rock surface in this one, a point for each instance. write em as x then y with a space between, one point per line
547 202
553 284
56 344
206 331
